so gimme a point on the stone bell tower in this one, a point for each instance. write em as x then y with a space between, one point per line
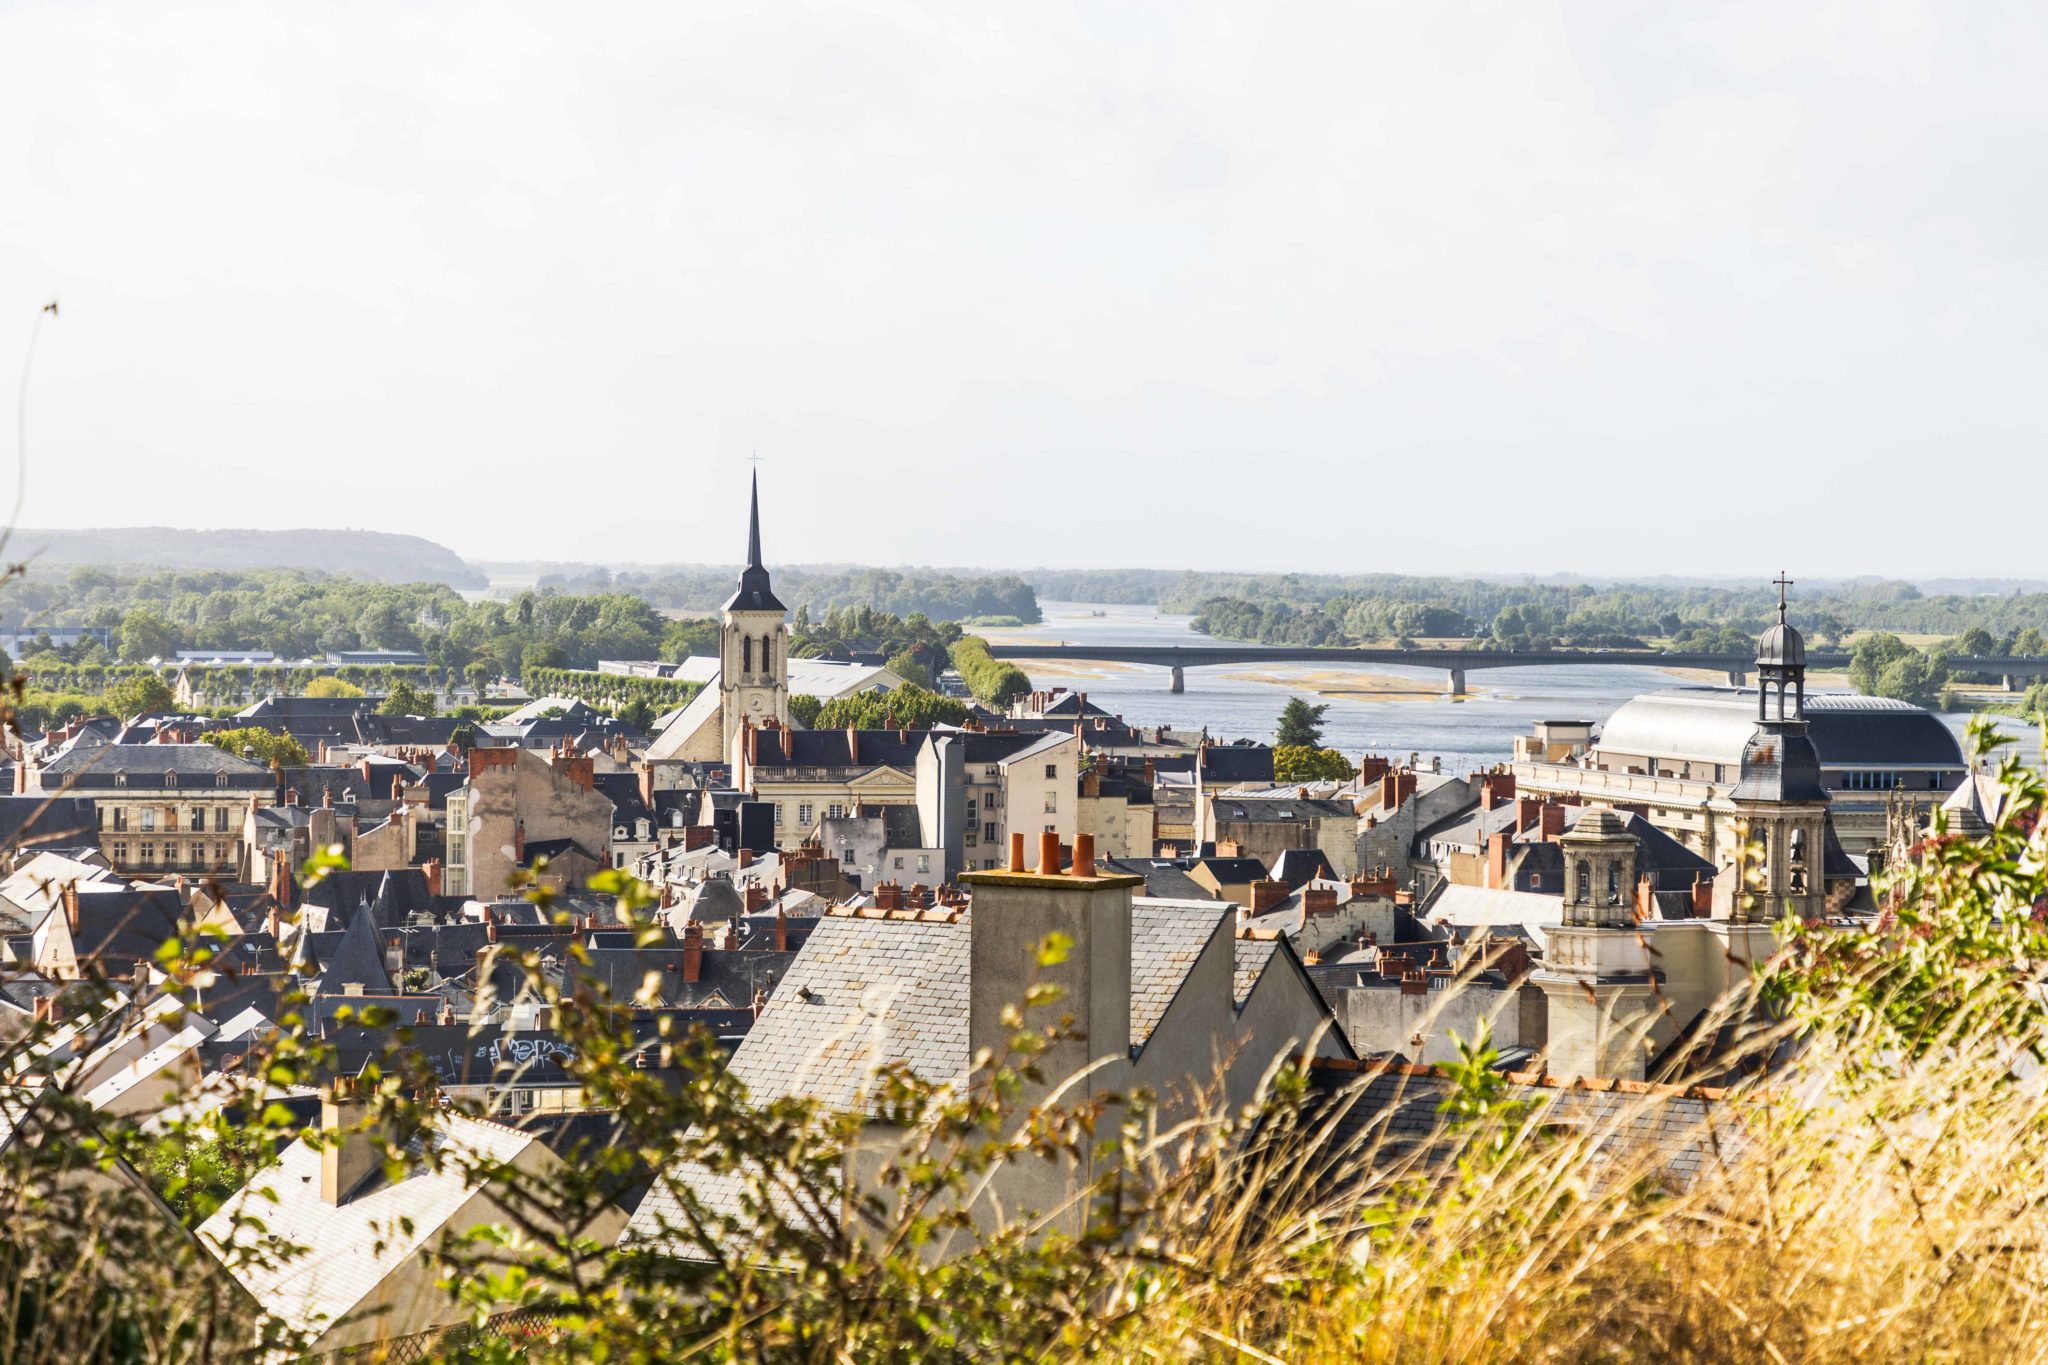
1597 972
753 648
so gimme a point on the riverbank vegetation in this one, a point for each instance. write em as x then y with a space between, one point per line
900 592
1675 620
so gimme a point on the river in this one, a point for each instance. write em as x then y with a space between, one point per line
1469 734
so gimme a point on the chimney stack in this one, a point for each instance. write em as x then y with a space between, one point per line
352 1153
693 951
1267 893
1012 917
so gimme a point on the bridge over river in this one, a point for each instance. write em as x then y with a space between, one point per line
1458 662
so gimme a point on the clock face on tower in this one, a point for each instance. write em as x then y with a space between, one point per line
755 703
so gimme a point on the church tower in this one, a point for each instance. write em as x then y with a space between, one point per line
753 647
1598 973
1780 815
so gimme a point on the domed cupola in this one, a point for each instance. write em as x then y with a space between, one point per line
1781 645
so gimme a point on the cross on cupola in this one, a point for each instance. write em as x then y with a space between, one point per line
1783 583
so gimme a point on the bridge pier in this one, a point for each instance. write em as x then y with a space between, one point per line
1737 677
1456 688
2012 683
1179 683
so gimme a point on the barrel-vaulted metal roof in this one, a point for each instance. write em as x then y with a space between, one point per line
1712 724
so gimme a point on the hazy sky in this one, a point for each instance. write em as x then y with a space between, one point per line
1598 286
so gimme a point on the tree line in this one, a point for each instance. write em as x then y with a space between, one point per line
938 596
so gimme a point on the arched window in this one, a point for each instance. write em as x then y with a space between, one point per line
1614 883
746 654
768 655
1796 850
1585 889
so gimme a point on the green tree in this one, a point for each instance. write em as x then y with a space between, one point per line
197 1175
406 700
542 654
327 685
1301 724
144 694
145 635
1883 665
803 711
1975 640
1300 763
913 666
908 707
1912 678
686 639
638 713
260 746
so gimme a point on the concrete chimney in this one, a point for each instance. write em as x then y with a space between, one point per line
352 1152
1013 915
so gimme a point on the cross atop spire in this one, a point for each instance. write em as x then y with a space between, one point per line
1783 583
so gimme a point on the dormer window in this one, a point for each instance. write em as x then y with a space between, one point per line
120 779
220 779
170 777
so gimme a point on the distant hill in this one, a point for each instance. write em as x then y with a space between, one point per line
359 554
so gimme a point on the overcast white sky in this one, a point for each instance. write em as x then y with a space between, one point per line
1601 286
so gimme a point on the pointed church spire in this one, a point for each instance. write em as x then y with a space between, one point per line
754 592
754 524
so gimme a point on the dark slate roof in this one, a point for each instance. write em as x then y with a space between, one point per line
1164 880
149 766
757 931
1670 864
717 901
1300 866
427 731
832 749
1229 870
38 823
1223 764
993 746
393 896
357 960
1780 764
344 784
730 975
116 929
273 710
558 848
1277 810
